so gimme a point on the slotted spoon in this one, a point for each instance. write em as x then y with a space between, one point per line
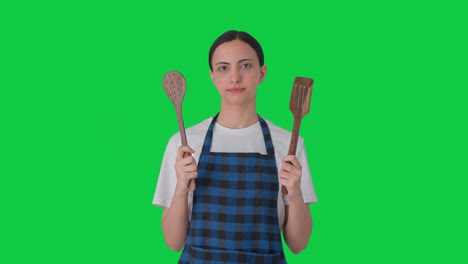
174 84
299 105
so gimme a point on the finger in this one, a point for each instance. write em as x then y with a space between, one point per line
292 160
191 175
190 168
288 167
183 149
292 175
182 162
286 183
284 175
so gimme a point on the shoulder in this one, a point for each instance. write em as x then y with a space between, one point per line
281 138
201 127
277 131
195 134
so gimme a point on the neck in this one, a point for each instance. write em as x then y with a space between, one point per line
237 116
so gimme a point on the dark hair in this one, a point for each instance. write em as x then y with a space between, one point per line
240 35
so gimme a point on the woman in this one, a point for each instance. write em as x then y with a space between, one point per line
236 213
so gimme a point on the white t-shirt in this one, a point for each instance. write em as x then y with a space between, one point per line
249 139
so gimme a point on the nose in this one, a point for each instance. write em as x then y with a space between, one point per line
235 76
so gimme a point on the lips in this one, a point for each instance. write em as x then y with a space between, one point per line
235 90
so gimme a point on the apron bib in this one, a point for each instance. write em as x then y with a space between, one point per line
235 215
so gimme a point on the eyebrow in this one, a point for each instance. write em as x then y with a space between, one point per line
240 61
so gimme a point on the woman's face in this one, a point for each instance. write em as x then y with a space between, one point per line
236 72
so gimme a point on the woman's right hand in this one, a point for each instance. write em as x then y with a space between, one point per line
186 169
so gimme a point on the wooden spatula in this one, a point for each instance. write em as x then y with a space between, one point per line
299 105
174 84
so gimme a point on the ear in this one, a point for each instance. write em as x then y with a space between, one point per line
263 71
212 76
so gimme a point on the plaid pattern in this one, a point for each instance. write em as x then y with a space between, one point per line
234 215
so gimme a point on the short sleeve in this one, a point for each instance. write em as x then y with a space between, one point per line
167 179
307 186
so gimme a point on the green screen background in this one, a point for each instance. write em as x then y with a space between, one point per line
85 120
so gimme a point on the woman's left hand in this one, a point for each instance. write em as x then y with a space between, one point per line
290 175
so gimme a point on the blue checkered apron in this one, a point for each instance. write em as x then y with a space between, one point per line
235 215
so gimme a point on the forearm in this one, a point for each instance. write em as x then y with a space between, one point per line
175 222
298 224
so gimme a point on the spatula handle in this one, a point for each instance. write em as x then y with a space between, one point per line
293 144
295 135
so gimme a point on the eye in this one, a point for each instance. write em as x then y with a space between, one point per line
246 66
223 68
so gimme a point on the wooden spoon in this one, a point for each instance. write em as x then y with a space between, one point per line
174 84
